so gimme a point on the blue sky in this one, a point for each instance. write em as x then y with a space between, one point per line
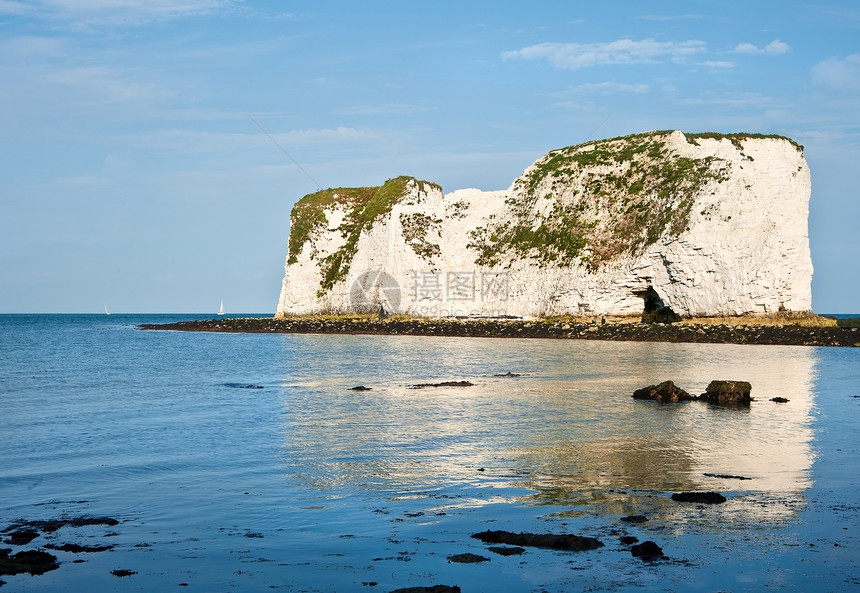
133 174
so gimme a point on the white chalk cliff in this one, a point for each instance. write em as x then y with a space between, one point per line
702 224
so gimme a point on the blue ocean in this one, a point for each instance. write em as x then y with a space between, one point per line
246 462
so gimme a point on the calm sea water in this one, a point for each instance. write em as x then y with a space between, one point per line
245 462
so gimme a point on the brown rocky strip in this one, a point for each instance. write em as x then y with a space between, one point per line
788 334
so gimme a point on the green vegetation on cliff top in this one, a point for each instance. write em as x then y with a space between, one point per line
364 205
588 203
594 202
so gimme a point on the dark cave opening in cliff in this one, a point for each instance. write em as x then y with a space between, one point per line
655 310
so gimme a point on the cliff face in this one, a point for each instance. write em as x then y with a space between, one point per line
700 224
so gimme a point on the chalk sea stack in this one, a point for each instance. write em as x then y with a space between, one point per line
660 224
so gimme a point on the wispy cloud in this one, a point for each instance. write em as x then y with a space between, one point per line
607 88
195 141
838 73
94 13
671 17
384 109
573 56
718 64
13 8
739 100
774 48
108 85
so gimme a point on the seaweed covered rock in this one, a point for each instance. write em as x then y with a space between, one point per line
728 393
665 392
568 542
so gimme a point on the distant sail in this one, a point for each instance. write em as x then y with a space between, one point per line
221 310
106 310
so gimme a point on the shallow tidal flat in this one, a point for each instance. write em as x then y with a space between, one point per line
206 461
744 331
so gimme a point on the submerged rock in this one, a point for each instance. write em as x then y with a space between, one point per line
648 550
77 548
431 589
31 561
700 497
506 550
665 392
21 537
728 393
360 388
443 384
467 558
635 519
569 542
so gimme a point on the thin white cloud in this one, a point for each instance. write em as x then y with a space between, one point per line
31 46
608 87
717 64
774 48
108 85
13 8
194 141
670 17
573 56
837 73
740 100
93 13
384 109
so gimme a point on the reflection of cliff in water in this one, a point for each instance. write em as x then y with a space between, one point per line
568 429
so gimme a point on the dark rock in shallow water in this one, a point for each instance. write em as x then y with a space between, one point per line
628 539
77 548
360 388
665 392
506 551
647 551
432 589
22 537
53 525
467 558
443 384
779 400
728 393
727 476
123 572
572 543
508 374
31 561
635 519
700 497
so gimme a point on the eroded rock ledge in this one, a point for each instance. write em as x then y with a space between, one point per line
793 335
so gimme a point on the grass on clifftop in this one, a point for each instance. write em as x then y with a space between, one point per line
594 202
364 205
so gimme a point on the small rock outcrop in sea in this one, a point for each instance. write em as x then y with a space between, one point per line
660 224
665 392
569 542
648 551
467 558
728 393
699 497
28 561
430 589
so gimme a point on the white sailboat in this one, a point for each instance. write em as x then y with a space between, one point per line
106 310
221 310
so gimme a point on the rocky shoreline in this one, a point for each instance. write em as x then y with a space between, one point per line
752 333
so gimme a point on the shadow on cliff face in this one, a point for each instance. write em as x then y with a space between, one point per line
656 311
